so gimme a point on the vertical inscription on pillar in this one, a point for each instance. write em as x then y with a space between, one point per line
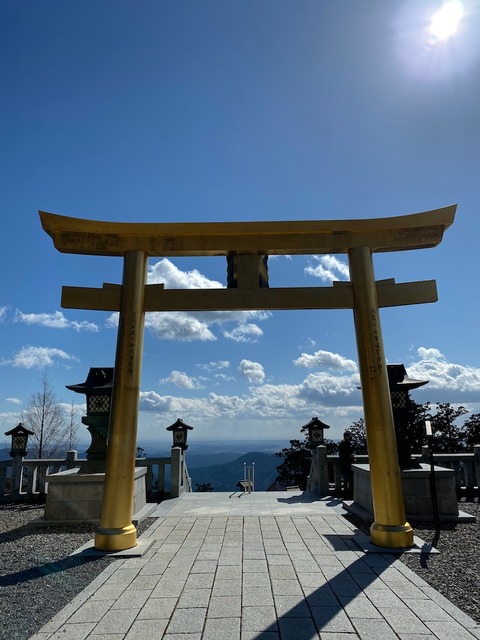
131 344
374 351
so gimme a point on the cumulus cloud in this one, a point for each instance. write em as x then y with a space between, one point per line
3 313
247 332
443 375
172 277
53 321
328 269
182 380
177 325
38 357
253 371
326 360
327 388
199 325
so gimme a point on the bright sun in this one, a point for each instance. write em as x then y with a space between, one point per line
445 22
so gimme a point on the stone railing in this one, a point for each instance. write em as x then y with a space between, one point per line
325 470
161 485
26 479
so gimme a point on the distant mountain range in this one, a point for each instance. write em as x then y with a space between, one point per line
225 477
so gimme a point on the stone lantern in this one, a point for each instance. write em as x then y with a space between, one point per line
18 452
400 385
19 440
98 391
179 432
315 430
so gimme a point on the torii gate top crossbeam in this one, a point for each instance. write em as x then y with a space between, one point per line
415 231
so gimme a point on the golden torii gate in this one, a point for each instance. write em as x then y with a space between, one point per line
248 242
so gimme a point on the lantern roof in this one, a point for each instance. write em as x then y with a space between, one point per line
399 378
18 430
98 378
178 424
315 422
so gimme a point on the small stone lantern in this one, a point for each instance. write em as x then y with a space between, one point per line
179 432
19 440
18 452
315 430
98 391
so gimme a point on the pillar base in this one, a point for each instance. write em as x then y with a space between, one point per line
393 536
116 539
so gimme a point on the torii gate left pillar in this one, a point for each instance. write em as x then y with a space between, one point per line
116 532
248 241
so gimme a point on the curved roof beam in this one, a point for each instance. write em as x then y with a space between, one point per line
92 237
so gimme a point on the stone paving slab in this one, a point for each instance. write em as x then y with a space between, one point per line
292 568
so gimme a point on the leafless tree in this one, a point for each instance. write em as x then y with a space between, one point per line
72 427
45 417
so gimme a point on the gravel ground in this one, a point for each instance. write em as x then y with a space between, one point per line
38 578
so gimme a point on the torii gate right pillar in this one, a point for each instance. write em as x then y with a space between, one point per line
390 528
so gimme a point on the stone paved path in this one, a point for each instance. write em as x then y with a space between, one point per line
263 566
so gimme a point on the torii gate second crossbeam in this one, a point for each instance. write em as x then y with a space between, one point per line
248 243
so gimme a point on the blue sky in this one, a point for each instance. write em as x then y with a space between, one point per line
176 110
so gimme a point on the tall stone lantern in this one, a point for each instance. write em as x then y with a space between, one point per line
400 385
98 391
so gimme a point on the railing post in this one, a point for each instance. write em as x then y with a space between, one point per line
3 479
319 471
161 479
71 461
469 474
175 472
41 478
16 489
476 456
425 454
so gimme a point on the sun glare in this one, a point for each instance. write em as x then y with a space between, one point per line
445 22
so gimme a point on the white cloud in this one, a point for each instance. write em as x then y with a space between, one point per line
53 321
247 332
253 371
328 269
182 380
3 313
13 400
328 388
190 326
173 278
443 375
177 325
214 366
327 360
430 354
38 357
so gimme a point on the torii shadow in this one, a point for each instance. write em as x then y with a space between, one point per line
322 610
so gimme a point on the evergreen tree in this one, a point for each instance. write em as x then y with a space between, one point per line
297 460
359 436
447 436
471 430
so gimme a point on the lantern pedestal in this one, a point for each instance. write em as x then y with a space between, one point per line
75 497
98 391
416 492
